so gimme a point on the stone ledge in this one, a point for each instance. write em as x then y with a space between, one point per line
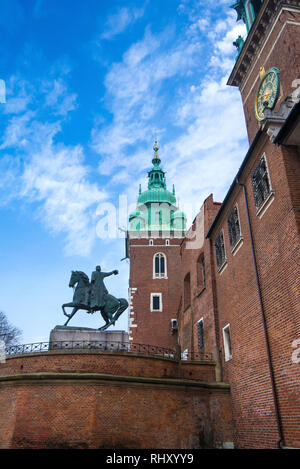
116 353
99 377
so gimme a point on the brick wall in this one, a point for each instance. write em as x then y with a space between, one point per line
195 249
276 240
123 364
282 50
153 327
55 409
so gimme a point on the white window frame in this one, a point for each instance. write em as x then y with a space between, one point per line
167 242
200 320
227 350
159 275
160 303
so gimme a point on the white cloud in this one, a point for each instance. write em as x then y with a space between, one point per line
120 21
35 169
57 177
134 91
58 98
209 142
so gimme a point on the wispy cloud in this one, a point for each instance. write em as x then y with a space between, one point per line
134 94
38 170
117 23
201 113
57 177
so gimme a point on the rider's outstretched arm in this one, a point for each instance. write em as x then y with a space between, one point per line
108 274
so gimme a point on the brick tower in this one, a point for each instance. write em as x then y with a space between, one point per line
255 234
156 231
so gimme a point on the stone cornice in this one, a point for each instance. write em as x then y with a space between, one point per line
105 378
254 40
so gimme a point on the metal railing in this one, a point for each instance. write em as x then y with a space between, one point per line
112 346
89 345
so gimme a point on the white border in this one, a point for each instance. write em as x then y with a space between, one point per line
160 303
228 356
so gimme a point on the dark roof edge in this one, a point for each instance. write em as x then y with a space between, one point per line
234 183
284 131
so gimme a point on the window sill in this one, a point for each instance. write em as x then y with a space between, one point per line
266 204
222 267
160 278
237 246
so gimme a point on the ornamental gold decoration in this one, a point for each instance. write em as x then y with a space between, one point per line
267 93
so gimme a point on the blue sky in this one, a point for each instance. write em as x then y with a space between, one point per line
88 87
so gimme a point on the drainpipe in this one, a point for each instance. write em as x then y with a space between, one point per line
280 442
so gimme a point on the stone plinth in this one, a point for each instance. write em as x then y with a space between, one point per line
68 337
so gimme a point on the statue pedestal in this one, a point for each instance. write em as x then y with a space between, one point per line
63 337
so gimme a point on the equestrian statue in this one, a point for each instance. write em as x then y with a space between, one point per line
93 296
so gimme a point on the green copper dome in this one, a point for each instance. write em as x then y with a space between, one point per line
156 207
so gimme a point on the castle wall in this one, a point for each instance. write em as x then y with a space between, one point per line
201 306
276 242
279 47
84 409
146 326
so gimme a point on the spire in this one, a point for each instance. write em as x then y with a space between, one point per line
156 175
156 160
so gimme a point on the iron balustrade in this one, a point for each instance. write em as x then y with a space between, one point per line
145 349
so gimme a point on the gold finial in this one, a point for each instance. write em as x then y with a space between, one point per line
262 72
155 147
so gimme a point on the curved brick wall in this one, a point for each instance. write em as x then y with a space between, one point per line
105 400
123 364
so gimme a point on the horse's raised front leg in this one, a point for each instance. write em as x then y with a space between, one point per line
71 315
67 305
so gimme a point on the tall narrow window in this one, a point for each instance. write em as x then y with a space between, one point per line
200 334
156 302
220 250
234 227
160 266
201 271
227 343
261 183
187 290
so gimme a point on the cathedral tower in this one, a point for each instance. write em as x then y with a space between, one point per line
157 228
267 69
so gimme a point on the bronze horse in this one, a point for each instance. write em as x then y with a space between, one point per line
111 311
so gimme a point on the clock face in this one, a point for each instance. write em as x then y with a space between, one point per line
267 93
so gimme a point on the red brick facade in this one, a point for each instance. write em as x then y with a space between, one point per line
233 285
146 326
110 400
280 48
255 293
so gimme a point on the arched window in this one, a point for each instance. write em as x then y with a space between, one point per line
187 290
159 265
201 271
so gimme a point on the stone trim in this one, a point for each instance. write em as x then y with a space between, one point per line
99 377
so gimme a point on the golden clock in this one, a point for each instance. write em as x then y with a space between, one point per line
267 93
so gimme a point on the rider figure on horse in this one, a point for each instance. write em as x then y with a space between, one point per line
92 297
98 290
